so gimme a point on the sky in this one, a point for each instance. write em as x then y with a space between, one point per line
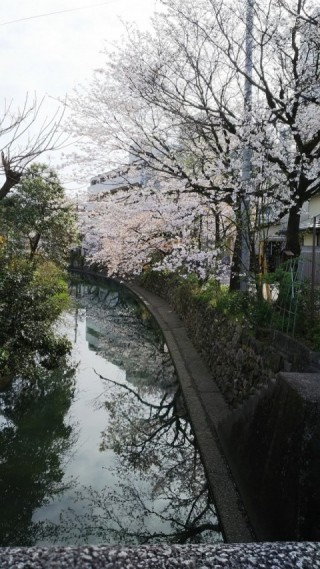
49 55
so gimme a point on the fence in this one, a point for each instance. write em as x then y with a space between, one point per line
298 295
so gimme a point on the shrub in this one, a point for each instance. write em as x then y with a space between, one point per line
32 296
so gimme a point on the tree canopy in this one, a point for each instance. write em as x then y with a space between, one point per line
25 135
175 94
161 223
37 228
37 214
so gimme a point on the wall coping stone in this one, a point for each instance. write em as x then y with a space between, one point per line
238 556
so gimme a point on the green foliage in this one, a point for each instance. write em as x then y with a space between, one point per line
247 308
36 218
234 304
210 290
37 228
314 334
155 279
32 296
294 311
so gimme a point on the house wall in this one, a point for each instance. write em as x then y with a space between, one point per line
314 206
307 240
114 182
273 231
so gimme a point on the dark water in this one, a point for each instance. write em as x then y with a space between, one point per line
101 451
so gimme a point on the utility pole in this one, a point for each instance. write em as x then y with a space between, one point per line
247 153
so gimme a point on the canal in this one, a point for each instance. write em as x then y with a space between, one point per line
101 450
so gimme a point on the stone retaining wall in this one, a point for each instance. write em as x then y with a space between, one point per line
241 360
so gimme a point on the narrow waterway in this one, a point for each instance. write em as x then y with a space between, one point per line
101 450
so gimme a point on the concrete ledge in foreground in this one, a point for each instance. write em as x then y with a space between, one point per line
238 556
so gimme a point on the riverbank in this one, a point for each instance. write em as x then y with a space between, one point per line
261 458
271 384
228 556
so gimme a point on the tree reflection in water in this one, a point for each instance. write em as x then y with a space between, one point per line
156 440
125 334
162 493
34 439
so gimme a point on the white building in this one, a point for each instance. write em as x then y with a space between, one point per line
133 174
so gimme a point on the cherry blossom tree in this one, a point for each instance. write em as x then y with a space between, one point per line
284 133
164 225
176 95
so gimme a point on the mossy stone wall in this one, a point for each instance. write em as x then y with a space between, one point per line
241 359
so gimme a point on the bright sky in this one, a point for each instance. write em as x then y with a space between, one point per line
51 54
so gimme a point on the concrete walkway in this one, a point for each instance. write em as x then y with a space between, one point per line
206 408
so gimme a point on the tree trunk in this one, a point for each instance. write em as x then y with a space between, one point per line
292 236
34 242
12 177
12 180
217 227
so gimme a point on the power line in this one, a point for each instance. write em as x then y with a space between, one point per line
53 13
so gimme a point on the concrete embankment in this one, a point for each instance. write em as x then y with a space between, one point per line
273 446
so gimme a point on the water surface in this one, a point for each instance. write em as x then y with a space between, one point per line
101 450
